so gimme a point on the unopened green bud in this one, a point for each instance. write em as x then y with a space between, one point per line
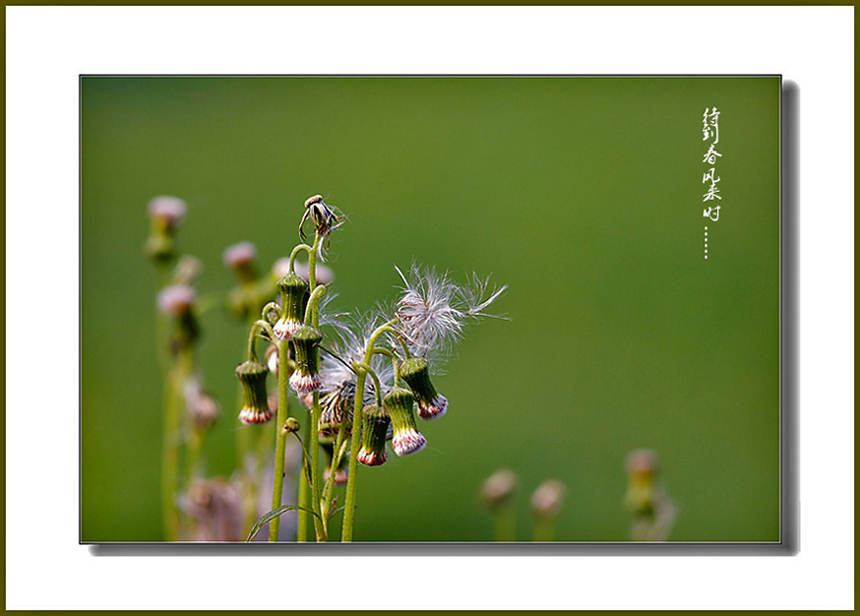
291 425
375 422
294 300
255 401
406 439
306 377
416 372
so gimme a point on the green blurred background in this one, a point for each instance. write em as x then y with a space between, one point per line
584 195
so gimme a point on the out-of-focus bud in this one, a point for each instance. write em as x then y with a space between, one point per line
498 488
217 506
240 258
203 410
642 468
165 214
547 499
325 275
272 358
188 270
176 301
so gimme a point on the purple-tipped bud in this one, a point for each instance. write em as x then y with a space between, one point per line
255 401
375 423
294 300
406 439
306 377
416 372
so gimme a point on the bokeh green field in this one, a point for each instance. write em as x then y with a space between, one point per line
582 194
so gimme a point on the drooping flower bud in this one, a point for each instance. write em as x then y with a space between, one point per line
306 377
375 422
294 300
406 439
255 400
416 372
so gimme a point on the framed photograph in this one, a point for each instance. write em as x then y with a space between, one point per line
560 297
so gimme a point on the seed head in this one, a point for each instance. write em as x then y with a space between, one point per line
433 311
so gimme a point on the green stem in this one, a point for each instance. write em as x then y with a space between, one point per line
174 402
504 523
312 311
349 507
319 524
295 253
361 378
337 455
544 529
304 491
252 336
280 437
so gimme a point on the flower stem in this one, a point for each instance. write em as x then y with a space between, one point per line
280 437
504 523
349 507
173 405
319 524
304 491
